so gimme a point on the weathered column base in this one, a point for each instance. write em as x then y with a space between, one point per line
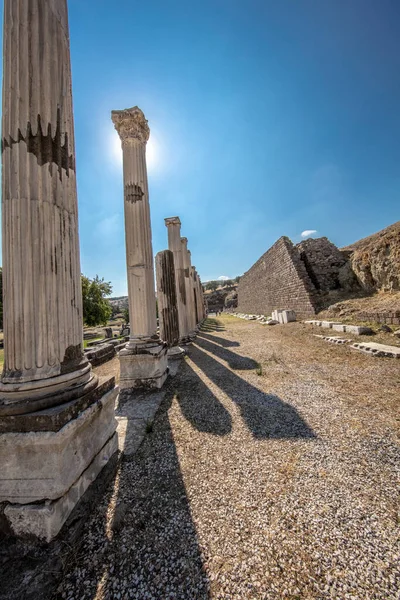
45 519
175 353
143 366
45 472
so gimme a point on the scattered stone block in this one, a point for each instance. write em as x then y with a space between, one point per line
329 324
339 327
333 339
359 330
375 349
101 354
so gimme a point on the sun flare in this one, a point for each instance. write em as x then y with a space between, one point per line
151 152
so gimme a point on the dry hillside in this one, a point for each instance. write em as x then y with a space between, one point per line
376 259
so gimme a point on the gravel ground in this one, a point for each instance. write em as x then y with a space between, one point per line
271 472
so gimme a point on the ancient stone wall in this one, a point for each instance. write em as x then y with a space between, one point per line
328 268
279 279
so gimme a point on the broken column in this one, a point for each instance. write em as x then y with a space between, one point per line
167 304
143 363
173 225
191 325
57 425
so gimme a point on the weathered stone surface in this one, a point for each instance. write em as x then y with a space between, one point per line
43 351
332 339
148 369
166 295
339 327
375 349
376 259
137 370
326 265
173 225
359 330
55 417
101 354
190 305
278 278
43 465
45 520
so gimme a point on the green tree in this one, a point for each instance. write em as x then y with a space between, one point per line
212 285
237 279
96 308
125 312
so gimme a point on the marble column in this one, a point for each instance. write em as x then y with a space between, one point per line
43 347
167 303
189 289
173 225
195 297
143 363
199 316
44 365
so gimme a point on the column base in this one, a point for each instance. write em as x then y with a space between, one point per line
45 473
143 366
175 353
44 520
43 465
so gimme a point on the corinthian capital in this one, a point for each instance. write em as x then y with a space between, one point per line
131 124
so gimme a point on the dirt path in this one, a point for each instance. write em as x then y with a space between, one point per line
271 472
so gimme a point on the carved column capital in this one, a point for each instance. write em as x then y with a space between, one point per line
172 221
131 124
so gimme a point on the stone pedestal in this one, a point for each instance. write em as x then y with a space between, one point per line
167 304
143 363
50 401
174 244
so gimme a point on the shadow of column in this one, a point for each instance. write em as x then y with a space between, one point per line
140 541
266 415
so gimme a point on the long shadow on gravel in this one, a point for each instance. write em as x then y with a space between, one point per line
235 361
217 340
266 415
151 549
200 406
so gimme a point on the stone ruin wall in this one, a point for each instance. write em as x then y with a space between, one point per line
304 278
278 280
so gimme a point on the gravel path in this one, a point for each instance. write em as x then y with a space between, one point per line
271 472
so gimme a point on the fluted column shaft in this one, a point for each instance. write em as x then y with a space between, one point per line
43 348
174 244
189 286
134 132
166 295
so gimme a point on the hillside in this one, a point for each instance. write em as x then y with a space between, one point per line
376 259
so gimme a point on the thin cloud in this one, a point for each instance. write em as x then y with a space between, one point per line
308 232
223 278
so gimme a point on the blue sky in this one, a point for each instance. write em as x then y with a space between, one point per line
268 118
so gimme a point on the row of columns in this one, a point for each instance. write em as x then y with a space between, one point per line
144 361
175 266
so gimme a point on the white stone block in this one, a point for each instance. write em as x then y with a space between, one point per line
339 327
44 520
44 465
378 349
359 330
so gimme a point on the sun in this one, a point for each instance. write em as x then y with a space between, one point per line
152 154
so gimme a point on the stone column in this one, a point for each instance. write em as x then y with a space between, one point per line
195 297
189 289
143 363
43 455
174 244
167 303
198 298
